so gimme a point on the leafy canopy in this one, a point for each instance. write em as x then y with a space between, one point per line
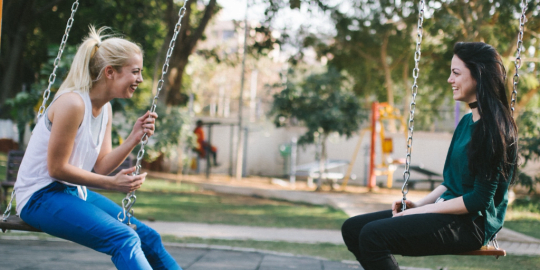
323 102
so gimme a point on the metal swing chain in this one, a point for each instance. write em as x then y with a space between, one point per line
52 77
414 92
517 63
7 213
130 199
47 92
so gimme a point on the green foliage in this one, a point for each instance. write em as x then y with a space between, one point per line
528 204
523 215
173 129
529 145
374 42
21 109
323 102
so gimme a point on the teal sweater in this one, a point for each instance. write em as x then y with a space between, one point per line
482 197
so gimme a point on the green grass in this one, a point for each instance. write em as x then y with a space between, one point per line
160 200
510 262
524 216
340 252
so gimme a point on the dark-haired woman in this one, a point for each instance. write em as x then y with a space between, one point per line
468 208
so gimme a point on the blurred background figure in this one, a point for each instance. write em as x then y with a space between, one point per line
203 147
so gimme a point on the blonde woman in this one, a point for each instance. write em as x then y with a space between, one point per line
72 138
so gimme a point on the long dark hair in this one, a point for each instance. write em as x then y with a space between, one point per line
493 147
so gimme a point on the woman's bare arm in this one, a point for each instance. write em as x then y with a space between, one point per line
67 114
110 159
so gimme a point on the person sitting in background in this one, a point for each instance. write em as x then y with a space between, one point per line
203 146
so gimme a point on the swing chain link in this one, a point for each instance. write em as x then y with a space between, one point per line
7 213
130 199
52 77
414 92
517 63
47 92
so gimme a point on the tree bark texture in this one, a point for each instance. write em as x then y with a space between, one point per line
185 45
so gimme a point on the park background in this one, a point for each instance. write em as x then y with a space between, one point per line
314 55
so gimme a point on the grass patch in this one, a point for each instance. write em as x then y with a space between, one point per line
324 250
340 252
165 201
510 262
524 216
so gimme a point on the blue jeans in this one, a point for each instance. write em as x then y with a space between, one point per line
58 211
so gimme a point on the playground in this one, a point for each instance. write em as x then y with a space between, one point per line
293 134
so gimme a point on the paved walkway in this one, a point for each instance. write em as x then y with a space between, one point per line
47 254
351 203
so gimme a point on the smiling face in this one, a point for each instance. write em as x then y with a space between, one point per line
463 84
127 79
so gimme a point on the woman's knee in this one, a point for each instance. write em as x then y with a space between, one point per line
350 230
125 239
150 239
150 235
369 238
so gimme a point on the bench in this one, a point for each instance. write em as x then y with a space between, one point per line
12 168
312 171
432 177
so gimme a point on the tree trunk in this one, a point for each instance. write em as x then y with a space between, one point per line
185 45
389 84
174 82
18 17
14 57
322 160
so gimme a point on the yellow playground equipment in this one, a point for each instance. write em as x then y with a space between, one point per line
383 115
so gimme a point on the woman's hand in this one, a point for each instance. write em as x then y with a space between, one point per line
125 182
396 207
145 124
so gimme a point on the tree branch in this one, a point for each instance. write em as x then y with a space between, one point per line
198 33
367 56
400 60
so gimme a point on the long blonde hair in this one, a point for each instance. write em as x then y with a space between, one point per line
95 53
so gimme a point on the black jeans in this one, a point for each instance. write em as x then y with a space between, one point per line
374 237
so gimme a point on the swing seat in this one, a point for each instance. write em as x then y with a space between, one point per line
486 251
17 224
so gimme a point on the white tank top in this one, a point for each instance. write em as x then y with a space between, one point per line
33 173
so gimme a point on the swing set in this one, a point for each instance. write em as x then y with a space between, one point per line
15 223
